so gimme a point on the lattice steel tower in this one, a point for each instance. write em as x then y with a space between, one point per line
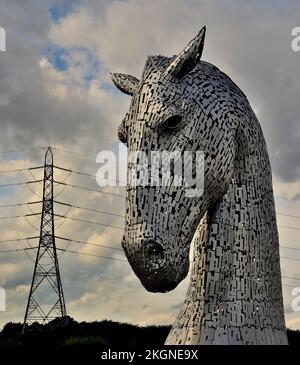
46 299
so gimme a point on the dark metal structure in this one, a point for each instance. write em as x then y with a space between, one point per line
46 299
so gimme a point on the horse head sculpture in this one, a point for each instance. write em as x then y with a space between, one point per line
185 104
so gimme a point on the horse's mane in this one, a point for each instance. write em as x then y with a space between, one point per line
204 72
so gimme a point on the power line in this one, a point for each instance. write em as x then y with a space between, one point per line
89 254
34 178
290 258
238 227
22 150
28 221
20 170
11 171
19 216
89 209
20 249
60 192
33 192
87 188
28 207
289 227
19 204
75 153
290 248
19 239
89 243
289 286
20 183
22 216
74 171
289 215
65 239
86 221
86 174
290 277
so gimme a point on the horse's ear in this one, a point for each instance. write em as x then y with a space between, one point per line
188 57
126 83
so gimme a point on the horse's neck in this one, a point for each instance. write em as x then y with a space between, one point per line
235 295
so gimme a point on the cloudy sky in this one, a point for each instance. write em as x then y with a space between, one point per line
55 90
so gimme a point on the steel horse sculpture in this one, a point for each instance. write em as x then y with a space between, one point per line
235 292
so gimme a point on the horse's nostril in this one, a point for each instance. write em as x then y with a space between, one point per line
154 249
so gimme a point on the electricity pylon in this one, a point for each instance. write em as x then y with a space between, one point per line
46 299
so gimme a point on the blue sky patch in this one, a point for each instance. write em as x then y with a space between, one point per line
60 11
57 56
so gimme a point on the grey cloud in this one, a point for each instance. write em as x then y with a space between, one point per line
29 111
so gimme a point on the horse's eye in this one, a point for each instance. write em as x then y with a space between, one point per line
173 123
